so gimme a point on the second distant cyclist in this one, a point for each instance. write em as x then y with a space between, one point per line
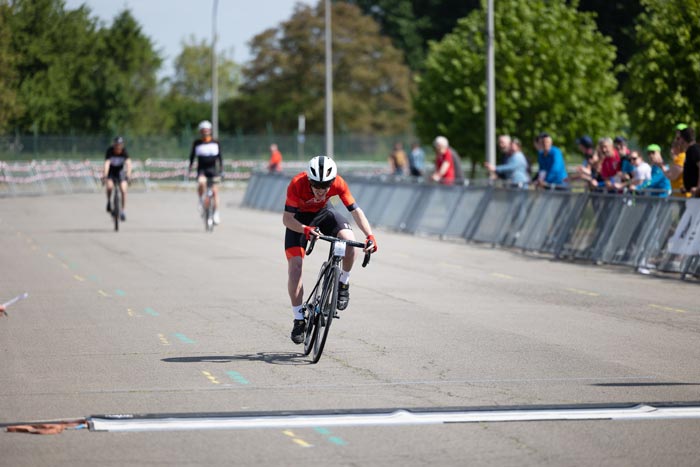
209 165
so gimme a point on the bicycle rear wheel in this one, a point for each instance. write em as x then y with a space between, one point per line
329 300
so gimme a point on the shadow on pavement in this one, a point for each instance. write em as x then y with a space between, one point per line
275 358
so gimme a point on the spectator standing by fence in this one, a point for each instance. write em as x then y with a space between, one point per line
506 150
274 165
641 171
398 160
658 182
610 162
674 171
691 166
552 169
416 160
444 162
624 153
514 169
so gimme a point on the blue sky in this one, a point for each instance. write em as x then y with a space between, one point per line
169 22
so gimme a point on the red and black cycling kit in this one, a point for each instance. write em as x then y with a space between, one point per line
208 154
116 163
301 202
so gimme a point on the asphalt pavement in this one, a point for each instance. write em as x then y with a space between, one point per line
162 318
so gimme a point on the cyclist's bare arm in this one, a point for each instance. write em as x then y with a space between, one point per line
291 223
361 220
128 167
106 169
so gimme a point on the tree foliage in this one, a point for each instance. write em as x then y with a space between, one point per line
9 104
286 76
412 23
664 74
555 75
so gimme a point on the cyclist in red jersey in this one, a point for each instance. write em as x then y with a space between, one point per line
305 210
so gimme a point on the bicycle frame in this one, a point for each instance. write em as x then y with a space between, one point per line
320 305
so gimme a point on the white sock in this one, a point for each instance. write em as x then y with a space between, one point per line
296 310
344 277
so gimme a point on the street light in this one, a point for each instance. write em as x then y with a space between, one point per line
329 83
214 75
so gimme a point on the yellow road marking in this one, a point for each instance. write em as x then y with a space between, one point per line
103 293
668 308
297 440
211 377
501 276
584 292
50 255
130 311
79 278
163 340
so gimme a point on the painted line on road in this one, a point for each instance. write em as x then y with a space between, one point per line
78 278
297 440
163 339
150 311
501 276
211 377
50 255
103 293
668 308
398 417
132 313
184 338
583 292
328 435
120 292
237 377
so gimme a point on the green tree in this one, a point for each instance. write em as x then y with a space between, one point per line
555 75
412 23
126 85
9 105
55 60
664 74
286 76
189 96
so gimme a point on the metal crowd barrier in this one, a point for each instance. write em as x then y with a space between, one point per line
603 228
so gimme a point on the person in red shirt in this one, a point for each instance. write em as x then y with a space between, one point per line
275 163
304 210
610 166
444 163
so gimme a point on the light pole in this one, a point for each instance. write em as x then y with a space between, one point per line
214 75
490 89
329 83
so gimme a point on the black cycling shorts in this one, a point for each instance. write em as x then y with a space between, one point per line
329 221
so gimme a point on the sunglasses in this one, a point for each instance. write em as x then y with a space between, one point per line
320 185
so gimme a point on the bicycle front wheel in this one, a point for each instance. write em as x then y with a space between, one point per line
328 304
116 207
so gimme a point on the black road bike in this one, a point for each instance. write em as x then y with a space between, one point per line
321 304
116 202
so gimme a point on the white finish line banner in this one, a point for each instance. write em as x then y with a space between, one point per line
124 423
686 238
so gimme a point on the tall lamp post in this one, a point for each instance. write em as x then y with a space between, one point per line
490 89
214 75
329 83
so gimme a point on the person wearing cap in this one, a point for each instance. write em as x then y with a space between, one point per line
691 166
552 168
117 171
658 183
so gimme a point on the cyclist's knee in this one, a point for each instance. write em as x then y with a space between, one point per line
346 234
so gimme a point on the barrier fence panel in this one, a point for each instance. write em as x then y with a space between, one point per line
440 205
627 235
468 208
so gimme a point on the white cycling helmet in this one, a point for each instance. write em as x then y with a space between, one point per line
204 125
322 171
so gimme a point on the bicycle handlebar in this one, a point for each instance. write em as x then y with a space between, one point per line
314 238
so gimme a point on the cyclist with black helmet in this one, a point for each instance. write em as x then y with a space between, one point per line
209 165
305 210
117 170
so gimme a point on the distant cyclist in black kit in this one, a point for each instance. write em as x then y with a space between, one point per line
209 164
116 161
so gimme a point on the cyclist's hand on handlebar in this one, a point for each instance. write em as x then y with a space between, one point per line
310 230
371 244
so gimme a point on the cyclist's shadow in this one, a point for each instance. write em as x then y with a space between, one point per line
274 358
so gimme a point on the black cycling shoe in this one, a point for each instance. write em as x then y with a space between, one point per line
298 331
343 295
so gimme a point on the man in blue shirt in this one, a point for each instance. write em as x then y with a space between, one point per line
552 168
515 167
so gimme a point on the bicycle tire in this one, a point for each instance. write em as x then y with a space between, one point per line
329 300
116 207
310 315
